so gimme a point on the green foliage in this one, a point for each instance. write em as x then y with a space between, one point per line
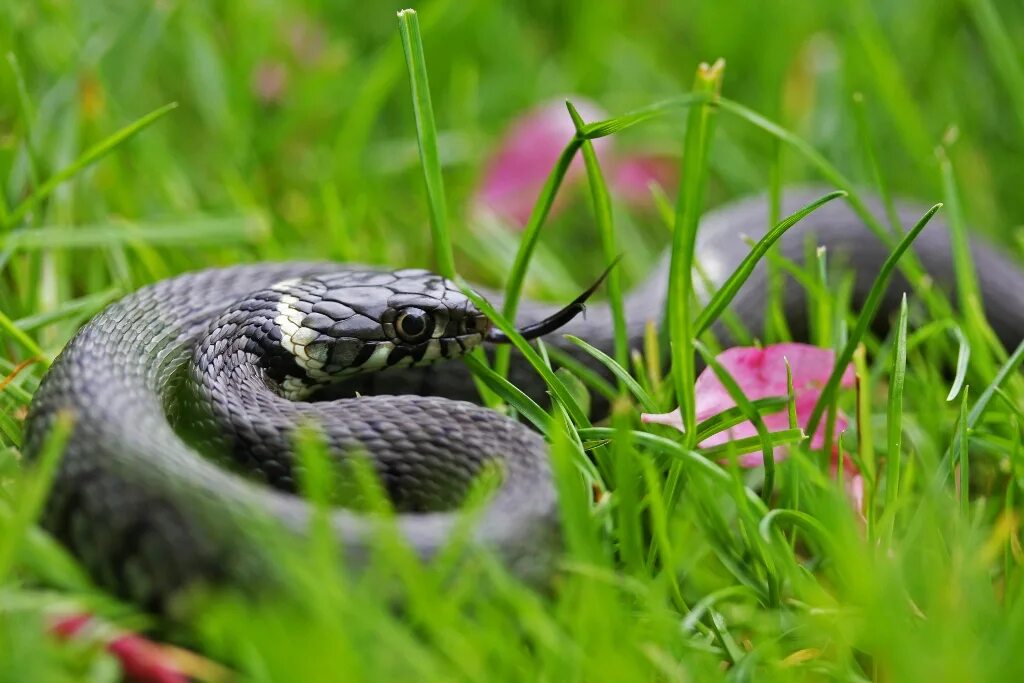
294 136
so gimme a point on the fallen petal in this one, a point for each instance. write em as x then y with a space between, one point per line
142 660
515 174
853 480
632 176
761 373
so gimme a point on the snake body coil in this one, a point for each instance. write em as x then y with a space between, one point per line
219 357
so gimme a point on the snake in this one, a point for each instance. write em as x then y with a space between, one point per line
188 397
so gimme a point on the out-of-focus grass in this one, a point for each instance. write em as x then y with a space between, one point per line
294 136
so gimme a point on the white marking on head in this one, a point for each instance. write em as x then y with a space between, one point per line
285 285
294 337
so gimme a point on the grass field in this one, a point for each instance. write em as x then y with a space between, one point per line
140 140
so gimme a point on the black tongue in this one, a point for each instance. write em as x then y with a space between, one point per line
556 320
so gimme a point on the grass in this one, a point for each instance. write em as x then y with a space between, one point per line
295 136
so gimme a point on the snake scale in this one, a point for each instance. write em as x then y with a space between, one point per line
155 379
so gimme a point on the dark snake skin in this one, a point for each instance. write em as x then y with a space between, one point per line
148 514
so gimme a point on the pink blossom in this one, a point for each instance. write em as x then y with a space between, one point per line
632 176
761 373
516 172
142 660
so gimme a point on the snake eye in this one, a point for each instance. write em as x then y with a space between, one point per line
414 325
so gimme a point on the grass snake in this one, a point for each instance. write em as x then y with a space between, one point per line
154 380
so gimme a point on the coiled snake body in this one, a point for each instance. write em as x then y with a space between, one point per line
148 514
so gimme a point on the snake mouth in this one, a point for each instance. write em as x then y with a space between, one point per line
554 321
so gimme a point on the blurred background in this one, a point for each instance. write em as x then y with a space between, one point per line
294 135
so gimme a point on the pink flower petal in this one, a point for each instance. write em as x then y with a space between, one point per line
632 176
142 660
528 151
761 373
853 481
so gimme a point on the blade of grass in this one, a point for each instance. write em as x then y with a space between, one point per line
744 404
728 291
554 384
1007 369
426 133
860 118
539 214
198 231
606 228
600 129
29 117
645 400
783 437
867 315
961 455
86 306
967 288
692 460
509 393
894 423
733 416
7 325
963 358
32 493
89 157
588 375
1002 52
693 181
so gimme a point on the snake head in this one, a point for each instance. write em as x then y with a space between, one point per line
337 325
328 328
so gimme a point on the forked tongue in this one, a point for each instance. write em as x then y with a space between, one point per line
557 319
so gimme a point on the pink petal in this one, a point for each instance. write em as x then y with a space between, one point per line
853 481
528 151
142 661
632 176
673 419
761 373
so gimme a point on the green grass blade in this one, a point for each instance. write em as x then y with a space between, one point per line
600 129
961 455
646 401
86 306
29 344
509 393
860 118
749 412
426 133
894 422
193 232
963 358
732 286
91 156
588 375
32 493
1002 51
606 228
770 440
28 116
1006 371
694 462
554 384
733 416
867 314
541 209
693 182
